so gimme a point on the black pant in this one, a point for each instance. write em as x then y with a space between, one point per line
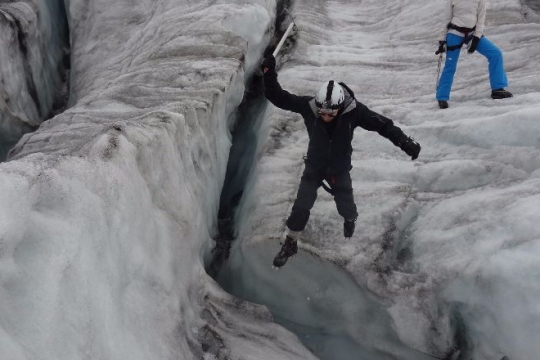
307 194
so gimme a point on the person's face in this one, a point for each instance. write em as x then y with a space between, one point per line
327 116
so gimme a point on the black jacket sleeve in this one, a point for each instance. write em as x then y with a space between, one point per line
281 98
371 121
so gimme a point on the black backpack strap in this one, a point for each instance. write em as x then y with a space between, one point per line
465 40
455 47
327 188
464 30
348 89
466 35
328 185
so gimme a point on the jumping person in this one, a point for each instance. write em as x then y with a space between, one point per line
464 21
330 117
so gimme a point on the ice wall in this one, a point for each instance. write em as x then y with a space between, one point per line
33 64
106 209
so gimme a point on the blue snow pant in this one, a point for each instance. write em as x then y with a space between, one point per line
497 75
307 194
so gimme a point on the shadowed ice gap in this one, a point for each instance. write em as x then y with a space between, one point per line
318 301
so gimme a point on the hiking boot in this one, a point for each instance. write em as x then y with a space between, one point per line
348 227
443 104
501 94
288 249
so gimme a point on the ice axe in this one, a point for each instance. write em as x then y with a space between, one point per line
439 71
291 27
440 52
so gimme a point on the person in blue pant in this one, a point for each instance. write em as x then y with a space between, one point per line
466 26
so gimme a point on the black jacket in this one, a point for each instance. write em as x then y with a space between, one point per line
330 154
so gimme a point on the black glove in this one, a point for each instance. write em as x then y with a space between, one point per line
411 148
441 48
474 44
269 62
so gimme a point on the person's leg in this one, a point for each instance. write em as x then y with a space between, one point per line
343 196
497 74
450 66
305 198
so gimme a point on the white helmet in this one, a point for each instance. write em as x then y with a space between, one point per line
330 96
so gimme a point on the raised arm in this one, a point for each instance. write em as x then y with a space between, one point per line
273 91
372 121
